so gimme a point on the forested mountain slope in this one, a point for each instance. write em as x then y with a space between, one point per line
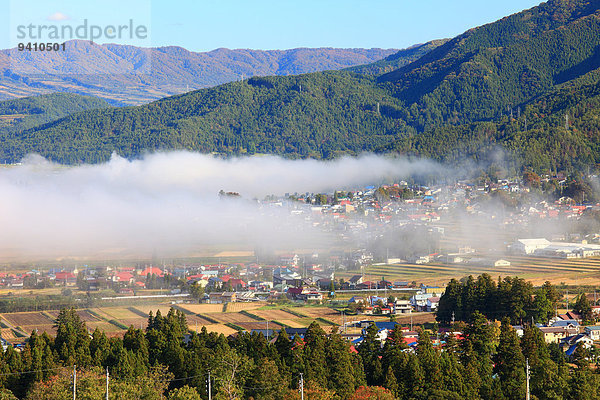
453 102
129 75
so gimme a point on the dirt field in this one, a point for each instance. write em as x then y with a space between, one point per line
237 307
218 328
201 308
49 328
164 309
233 318
84 315
258 325
27 319
292 323
28 322
194 319
272 314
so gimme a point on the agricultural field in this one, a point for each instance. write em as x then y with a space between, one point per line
217 328
535 269
85 315
233 318
198 308
27 319
145 310
273 314
115 320
237 307
259 325
292 323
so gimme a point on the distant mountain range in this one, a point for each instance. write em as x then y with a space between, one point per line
526 86
128 75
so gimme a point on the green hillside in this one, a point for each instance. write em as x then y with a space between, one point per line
29 112
482 72
539 136
453 102
315 115
397 60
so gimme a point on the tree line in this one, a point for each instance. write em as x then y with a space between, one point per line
511 297
165 359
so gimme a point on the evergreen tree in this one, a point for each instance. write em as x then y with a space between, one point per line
340 376
72 341
429 361
370 350
583 307
510 363
315 363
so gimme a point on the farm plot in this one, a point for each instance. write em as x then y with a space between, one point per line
273 314
48 328
121 313
234 318
164 309
84 315
28 319
192 320
8 334
219 328
258 325
201 308
108 328
292 323
325 313
137 323
237 306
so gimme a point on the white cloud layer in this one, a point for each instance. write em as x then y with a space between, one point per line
168 202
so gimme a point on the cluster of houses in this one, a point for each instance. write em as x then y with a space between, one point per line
425 299
567 331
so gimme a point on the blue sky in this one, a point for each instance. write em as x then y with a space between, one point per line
265 24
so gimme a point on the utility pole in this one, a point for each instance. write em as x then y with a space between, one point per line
301 387
527 396
209 391
106 383
567 300
74 382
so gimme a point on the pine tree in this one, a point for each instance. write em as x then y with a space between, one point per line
510 363
429 361
370 350
391 383
583 307
72 339
315 355
339 362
